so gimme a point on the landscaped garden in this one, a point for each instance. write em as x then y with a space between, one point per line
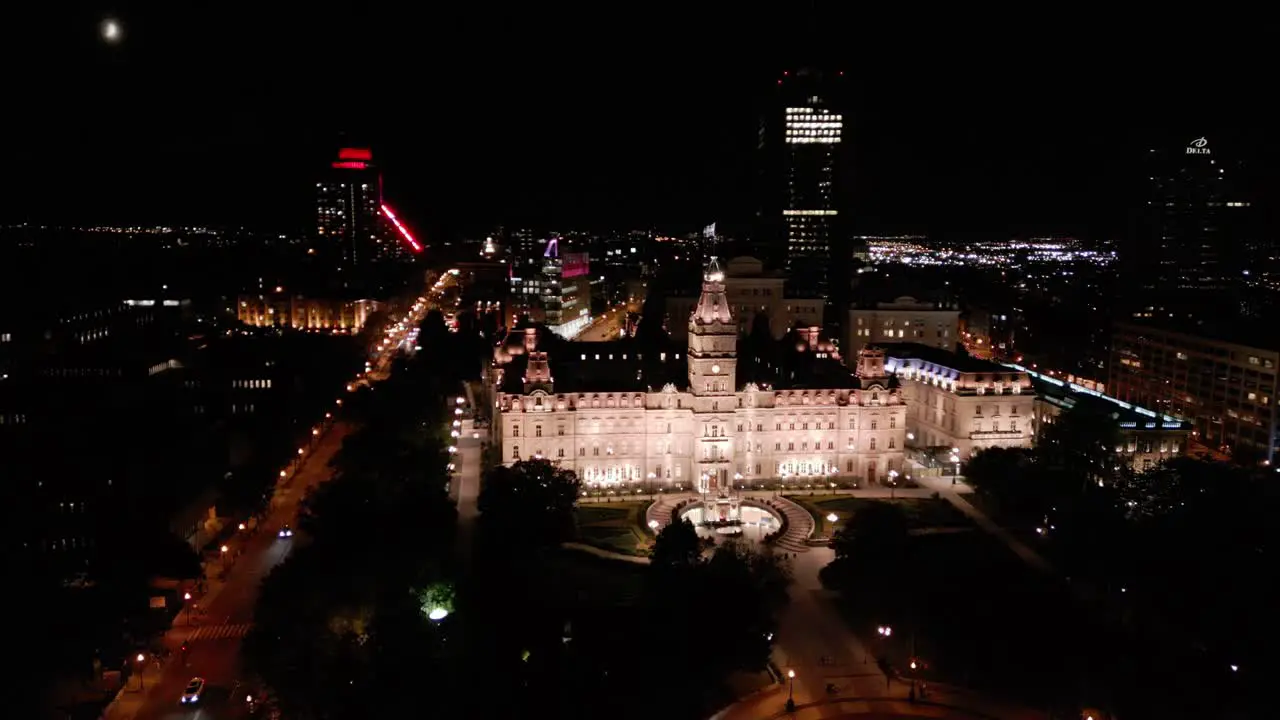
920 513
618 527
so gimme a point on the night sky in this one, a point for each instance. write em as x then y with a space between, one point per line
637 115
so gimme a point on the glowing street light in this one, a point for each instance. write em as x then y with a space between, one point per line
653 525
283 473
832 518
437 614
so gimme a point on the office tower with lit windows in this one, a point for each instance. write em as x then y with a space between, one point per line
349 219
801 144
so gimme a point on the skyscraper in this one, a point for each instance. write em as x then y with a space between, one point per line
349 218
801 136
1192 249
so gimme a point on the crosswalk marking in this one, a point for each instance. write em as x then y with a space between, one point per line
218 632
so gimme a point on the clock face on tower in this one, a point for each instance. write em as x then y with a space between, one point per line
715 368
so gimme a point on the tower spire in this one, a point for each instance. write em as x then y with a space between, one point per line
713 338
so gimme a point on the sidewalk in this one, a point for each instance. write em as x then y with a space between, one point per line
134 694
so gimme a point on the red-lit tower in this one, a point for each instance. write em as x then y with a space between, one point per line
351 218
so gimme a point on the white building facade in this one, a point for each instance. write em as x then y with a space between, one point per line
962 402
710 434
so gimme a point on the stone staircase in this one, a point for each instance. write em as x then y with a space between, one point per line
661 510
799 525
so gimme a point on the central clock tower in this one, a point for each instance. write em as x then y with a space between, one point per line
713 339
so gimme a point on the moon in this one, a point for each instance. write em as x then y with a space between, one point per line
111 30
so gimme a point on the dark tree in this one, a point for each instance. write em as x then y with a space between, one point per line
532 500
1008 477
677 547
873 556
1081 445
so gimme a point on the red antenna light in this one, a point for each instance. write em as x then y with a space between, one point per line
355 154
417 247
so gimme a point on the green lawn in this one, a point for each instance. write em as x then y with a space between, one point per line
614 526
920 512
579 581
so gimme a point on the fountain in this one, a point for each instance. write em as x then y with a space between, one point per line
724 515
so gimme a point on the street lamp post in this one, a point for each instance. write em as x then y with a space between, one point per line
142 682
791 686
893 484
955 458
833 518
886 632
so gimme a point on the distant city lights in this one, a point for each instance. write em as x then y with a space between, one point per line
917 250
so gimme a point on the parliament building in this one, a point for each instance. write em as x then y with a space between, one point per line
618 413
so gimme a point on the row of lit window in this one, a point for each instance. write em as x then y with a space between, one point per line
815 125
813 140
818 132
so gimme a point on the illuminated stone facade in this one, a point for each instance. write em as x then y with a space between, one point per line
710 433
956 401
303 313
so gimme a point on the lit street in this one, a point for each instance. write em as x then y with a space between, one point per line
213 635
607 326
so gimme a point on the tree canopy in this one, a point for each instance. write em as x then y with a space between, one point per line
554 643
534 499
340 630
